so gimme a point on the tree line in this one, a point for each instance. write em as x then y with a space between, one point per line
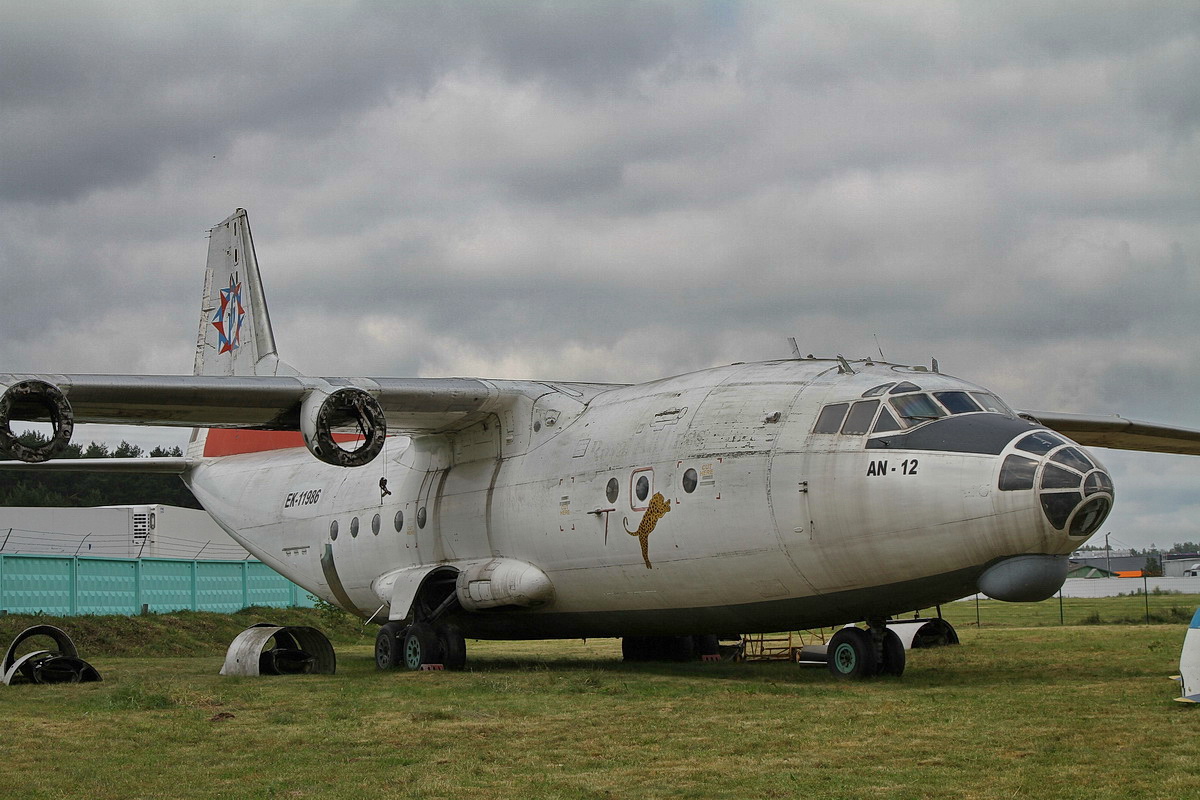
85 489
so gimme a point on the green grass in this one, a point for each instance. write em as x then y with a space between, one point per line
1080 711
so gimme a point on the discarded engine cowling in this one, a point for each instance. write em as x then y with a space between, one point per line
350 410
502 582
266 649
917 633
62 665
35 401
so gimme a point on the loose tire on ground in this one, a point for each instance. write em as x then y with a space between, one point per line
851 655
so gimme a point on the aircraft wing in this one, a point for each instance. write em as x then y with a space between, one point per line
261 402
320 408
1120 433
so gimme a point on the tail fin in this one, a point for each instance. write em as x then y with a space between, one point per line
235 336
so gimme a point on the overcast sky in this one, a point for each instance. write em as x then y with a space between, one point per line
618 191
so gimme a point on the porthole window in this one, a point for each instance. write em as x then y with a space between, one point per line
421 517
354 528
611 491
690 479
333 530
375 524
642 487
398 521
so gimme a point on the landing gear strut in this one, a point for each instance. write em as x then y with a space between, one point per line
429 638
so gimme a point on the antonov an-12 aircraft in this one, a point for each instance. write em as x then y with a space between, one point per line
747 498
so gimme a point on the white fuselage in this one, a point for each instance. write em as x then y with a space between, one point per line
771 526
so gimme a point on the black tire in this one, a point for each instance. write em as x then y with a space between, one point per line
893 655
454 648
637 648
679 648
387 645
708 645
851 655
421 647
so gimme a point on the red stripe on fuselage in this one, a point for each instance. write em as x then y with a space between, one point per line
233 441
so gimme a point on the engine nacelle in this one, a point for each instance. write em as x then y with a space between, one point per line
348 410
35 401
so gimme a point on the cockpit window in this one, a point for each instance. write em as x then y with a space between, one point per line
990 402
1073 458
905 386
957 402
913 409
1017 473
859 419
831 418
886 422
1039 443
875 391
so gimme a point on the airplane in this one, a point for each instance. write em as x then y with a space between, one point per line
754 497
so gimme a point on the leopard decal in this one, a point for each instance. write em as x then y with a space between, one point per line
659 506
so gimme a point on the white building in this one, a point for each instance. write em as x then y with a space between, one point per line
150 531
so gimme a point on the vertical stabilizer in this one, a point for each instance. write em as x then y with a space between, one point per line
235 336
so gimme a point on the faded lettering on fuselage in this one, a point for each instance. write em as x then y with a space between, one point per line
305 498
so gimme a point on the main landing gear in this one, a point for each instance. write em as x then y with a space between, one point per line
419 645
428 640
854 653
670 648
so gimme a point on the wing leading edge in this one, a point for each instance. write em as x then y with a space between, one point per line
1120 433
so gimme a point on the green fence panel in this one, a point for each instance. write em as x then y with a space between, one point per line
64 585
106 586
166 584
266 587
38 583
219 586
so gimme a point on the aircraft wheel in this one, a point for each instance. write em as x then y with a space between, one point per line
420 647
387 645
636 648
851 654
709 645
893 655
454 648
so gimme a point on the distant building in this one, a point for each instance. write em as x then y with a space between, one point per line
1078 570
1125 563
1182 566
149 531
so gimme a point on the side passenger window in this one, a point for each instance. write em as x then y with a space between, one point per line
831 418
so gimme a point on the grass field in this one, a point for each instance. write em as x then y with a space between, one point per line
1081 711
